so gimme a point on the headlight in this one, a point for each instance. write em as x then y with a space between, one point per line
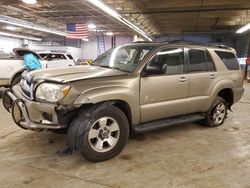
51 92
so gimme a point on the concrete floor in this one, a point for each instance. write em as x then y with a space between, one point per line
187 155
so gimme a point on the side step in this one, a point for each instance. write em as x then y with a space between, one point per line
153 125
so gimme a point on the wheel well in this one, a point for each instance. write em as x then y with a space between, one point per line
67 117
16 75
124 106
228 95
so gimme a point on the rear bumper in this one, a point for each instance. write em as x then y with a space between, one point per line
30 114
238 93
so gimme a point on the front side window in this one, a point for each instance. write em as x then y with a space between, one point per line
200 61
124 58
171 60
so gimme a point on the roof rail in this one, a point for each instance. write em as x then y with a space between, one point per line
142 42
198 43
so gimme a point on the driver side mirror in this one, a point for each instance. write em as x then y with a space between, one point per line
155 68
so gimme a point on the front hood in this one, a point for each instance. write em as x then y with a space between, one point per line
69 74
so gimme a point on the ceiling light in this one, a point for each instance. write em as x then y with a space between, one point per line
11 28
85 39
20 36
114 14
109 33
28 25
243 29
92 26
31 2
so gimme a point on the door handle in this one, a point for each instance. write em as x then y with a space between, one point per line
212 76
182 79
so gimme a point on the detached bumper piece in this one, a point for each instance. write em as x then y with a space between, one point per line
20 114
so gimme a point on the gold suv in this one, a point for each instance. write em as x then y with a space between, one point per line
130 88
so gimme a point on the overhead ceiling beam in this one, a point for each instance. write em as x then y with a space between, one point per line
165 11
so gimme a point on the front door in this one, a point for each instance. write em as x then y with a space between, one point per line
165 94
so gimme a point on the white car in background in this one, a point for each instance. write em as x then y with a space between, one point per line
12 68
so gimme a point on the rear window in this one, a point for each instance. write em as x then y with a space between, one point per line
229 59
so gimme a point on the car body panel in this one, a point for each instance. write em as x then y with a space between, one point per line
149 97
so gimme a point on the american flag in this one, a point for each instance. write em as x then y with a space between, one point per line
77 31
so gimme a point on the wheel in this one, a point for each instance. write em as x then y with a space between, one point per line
15 80
217 114
99 133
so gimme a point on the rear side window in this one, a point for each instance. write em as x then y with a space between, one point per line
200 61
229 59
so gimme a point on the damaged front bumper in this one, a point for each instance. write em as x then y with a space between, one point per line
28 114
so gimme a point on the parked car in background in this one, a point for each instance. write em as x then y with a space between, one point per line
131 88
12 67
57 59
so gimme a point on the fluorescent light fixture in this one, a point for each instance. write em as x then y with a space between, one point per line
178 50
20 36
109 33
27 25
31 2
85 39
92 26
243 29
11 28
117 16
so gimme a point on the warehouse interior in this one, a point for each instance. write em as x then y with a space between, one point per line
185 155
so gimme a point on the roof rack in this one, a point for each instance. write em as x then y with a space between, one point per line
142 42
197 43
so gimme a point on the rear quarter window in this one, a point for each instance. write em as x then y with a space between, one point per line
229 59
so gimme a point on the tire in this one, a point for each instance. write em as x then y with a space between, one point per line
217 114
15 80
99 133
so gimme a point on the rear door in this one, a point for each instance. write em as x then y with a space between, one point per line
165 95
203 77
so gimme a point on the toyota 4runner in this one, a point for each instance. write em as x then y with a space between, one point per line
131 88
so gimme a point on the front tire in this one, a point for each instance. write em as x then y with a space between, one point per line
217 114
99 133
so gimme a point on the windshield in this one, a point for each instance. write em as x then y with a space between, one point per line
123 58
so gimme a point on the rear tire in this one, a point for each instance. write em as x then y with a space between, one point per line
217 114
99 133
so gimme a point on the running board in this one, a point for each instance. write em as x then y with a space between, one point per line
167 122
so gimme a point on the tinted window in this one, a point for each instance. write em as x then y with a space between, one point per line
172 57
210 63
197 60
200 61
229 60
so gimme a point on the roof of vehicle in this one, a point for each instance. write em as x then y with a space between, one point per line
184 43
52 52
